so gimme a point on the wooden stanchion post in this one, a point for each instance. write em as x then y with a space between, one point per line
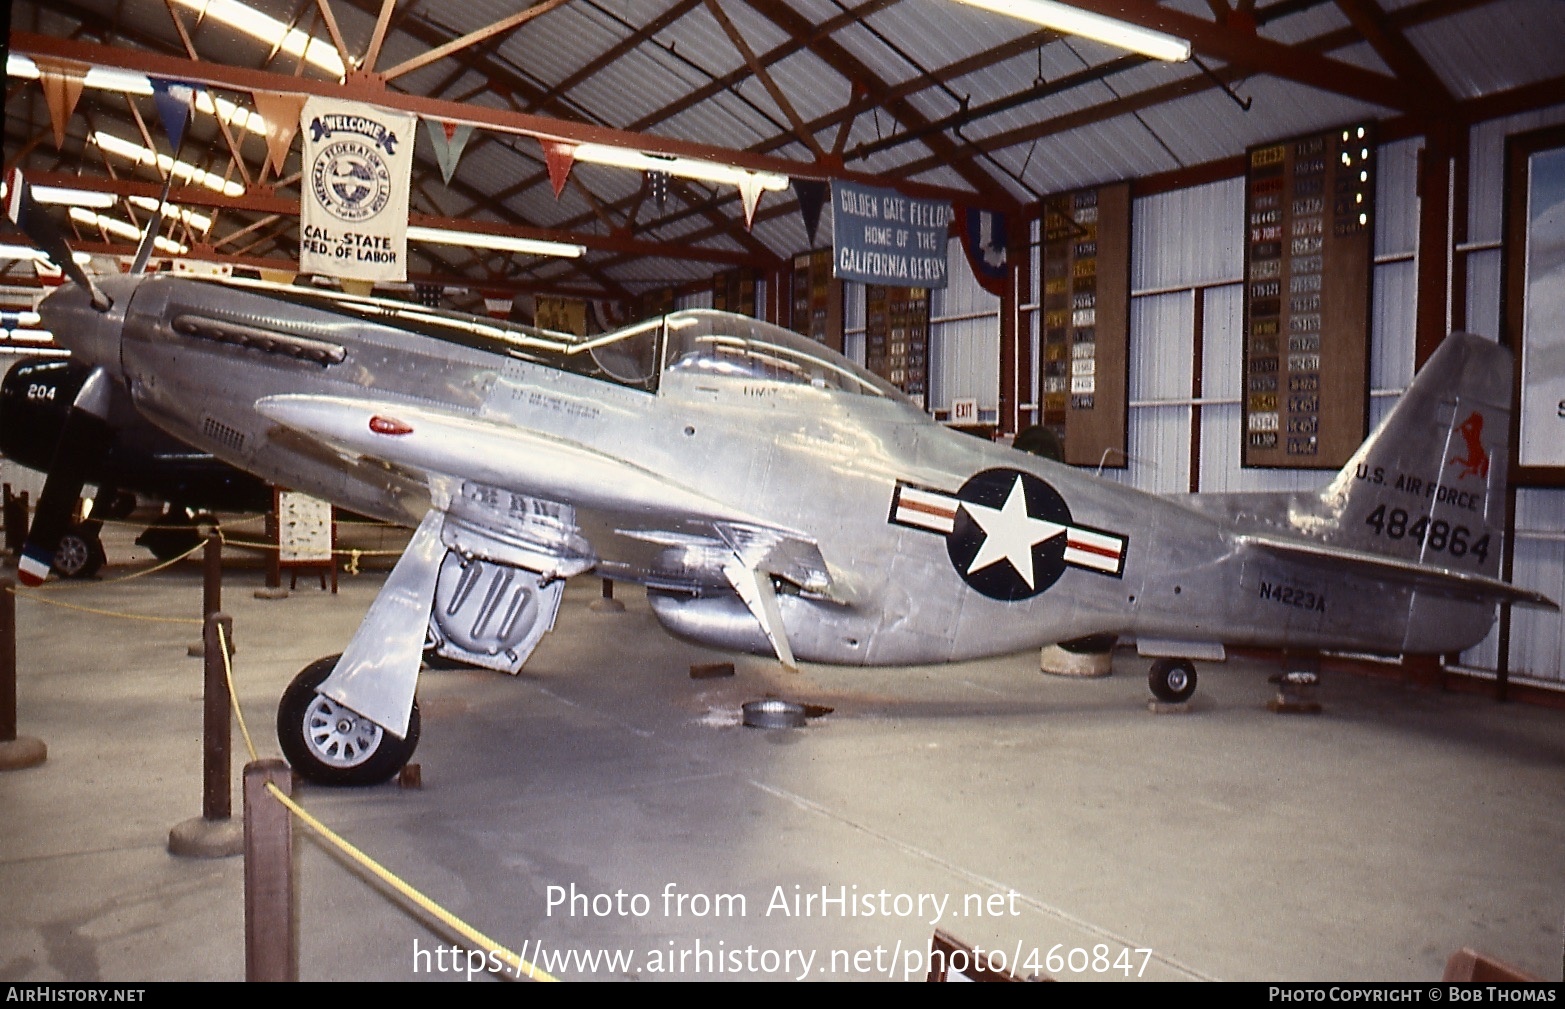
212 575
211 586
15 753
15 517
213 834
216 722
271 936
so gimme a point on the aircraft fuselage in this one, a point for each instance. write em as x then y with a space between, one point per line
940 546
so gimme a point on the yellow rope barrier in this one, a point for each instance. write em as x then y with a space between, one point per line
38 595
132 524
338 552
233 696
518 966
154 569
37 598
63 584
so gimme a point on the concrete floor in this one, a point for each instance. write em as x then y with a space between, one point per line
1364 843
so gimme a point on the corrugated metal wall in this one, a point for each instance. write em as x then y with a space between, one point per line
1537 638
1187 247
964 340
964 337
1178 249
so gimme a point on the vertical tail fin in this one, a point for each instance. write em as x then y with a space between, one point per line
1429 484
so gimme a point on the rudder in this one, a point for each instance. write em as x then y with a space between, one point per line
1429 484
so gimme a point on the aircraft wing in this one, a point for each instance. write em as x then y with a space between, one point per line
1422 576
719 543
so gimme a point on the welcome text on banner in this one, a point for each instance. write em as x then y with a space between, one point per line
358 161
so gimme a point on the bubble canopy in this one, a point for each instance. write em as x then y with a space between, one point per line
734 346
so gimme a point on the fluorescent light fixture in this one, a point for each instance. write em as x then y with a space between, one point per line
123 230
269 30
502 243
20 67
8 251
115 79
73 197
191 219
1075 21
186 172
106 78
131 82
36 351
234 115
685 168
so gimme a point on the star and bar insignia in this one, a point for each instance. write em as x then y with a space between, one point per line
1009 534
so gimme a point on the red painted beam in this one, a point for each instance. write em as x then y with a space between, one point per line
269 203
501 120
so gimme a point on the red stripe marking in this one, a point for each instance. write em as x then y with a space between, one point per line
1088 548
945 513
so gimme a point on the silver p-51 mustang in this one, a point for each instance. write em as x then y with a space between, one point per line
772 496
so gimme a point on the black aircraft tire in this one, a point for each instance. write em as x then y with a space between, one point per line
328 744
80 553
1172 680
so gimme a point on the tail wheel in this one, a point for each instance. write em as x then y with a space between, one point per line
1172 680
332 745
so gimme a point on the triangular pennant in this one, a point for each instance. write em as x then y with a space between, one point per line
281 113
174 100
48 274
812 197
357 288
498 304
558 158
984 241
448 139
750 193
284 277
60 93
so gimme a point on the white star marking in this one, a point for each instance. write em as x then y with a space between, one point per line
1010 533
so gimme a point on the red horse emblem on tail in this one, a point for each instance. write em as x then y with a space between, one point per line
1476 461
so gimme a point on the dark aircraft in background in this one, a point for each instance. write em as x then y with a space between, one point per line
138 459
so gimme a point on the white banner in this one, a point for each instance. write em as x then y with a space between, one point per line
358 160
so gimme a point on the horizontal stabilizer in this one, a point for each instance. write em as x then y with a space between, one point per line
1424 577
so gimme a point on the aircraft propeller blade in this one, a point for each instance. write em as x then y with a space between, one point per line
27 215
83 440
149 238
